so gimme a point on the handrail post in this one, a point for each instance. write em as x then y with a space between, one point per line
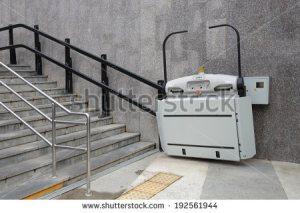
68 62
88 157
12 51
38 58
91 80
105 93
53 142
161 93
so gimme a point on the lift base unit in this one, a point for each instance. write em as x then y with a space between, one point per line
210 115
214 127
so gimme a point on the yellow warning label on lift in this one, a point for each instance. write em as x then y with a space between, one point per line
151 187
201 69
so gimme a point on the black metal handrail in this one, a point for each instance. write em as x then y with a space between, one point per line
68 65
76 72
85 53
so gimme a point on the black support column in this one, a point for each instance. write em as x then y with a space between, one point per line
12 51
105 93
68 62
38 58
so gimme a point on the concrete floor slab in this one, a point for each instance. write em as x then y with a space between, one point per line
249 179
79 194
112 185
119 180
202 179
193 172
289 176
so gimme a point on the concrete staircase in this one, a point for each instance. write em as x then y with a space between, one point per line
25 160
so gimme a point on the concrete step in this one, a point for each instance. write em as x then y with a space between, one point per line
39 186
29 111
26 160
24 87
27 136
15 174
100 163
16 67
36 121
36 149
23 73
32 79
6 95
40 100
34 188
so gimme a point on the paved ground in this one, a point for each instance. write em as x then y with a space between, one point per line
202 179
112 185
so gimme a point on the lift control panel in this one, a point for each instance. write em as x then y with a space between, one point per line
258 89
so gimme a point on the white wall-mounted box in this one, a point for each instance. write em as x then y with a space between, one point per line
258 89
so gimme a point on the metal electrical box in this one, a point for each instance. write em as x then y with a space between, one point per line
257 88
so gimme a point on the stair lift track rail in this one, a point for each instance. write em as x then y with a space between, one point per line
12 48
76 72
85 53
53 121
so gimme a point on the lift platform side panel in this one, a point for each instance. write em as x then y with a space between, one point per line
205 133
245 127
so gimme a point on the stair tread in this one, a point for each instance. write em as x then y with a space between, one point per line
18 65
19 109
78 169
18 70
41 129
35 163
26 164
32 90
32 186
37 117
33 76
23 83
15 150
21 72
104 159
37 98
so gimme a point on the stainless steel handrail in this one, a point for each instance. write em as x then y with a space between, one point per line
27 102
26 124
43 93
53 121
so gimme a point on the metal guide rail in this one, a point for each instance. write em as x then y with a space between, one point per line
54 121
68 64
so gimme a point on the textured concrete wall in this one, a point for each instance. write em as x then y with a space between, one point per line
131 33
